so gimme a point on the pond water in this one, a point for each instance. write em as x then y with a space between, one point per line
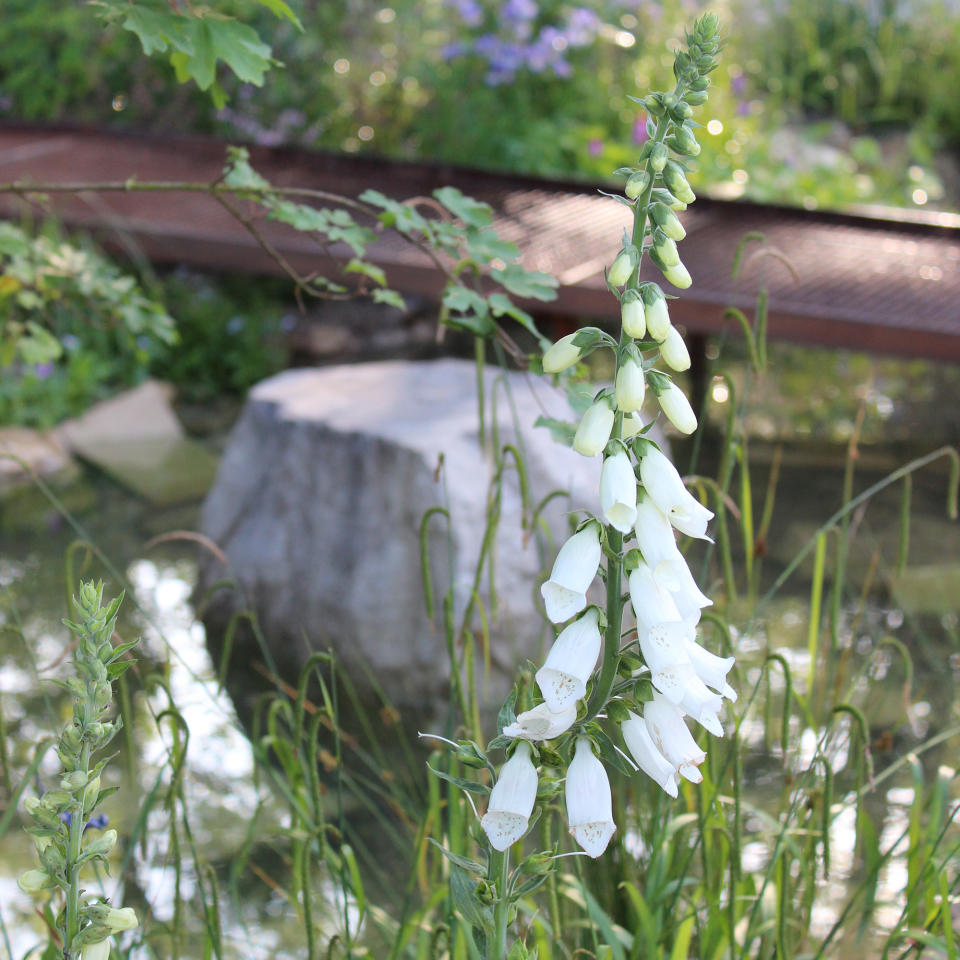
36 537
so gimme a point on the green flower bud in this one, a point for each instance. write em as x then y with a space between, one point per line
101 846
547 788
669 100
74 781
96 951
121 919
43 813
682 111
35 881
617 711
637 184
630 386
469 755
674 351
90 794
700 84
562 355
632 315
697 97
667 199
537 864
676 181
667 221
678 275
658 317
687 141
659 154
654 104
665 248
624 266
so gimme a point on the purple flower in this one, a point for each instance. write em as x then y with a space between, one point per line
738 84
595 148
640 134
561 68
519 11
43 370
453 50
471 13
582 27
743 109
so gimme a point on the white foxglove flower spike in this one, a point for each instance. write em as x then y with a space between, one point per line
563 677
618 492
631 386
562 355
565 593
675 405
589 803
657 543
672 738
511 800
541 723
711 669
594 430
665 486
648 758
688 597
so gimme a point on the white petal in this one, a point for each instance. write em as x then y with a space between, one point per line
541 723
711 669
588 800
561 603
671 736
651 603
650 760
618 492
516 788
594 430
503 829
594 837
563 677
666 645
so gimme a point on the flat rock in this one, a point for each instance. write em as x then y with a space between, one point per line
318 506
137 439
26 453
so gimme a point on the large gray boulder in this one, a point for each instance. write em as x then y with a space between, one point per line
318 504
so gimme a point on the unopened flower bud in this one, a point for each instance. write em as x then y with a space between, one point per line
101 846
96 951
684 142
35 881
90 794
624 266
636 184
678 275
659 155
658 316
667 199
665 249
674 351
667 220
562 355
618 498
676 182
74 781
697 97
630 386
121 919
674 403
594 430
632 315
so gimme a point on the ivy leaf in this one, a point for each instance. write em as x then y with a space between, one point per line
560 430
395 214
472 212
531 284
39 345
336 225
502 305
472 309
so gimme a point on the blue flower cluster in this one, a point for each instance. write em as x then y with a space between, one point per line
515 40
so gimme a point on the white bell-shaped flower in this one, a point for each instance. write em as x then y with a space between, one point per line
646 755
657 543
688 597
594 429
651 603
562 355
618 491
632 425
674 351
711 669
678 275
589 804
511 800
684 689
563 677
565 593
665 486
665 645
672 738
541 723
630 388
675 405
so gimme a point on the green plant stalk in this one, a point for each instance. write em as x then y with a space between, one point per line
73 856
501 913
611 636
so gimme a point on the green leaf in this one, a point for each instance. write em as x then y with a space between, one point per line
370 270
608 753
472 212
502 305
465 902
486 245
395 214
507 713
390 297
118 668
39 345
560 430
526 283
209 40
120 650
282 10
157 30
579 396
471 786
238 172
472 310
471 866
336 225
